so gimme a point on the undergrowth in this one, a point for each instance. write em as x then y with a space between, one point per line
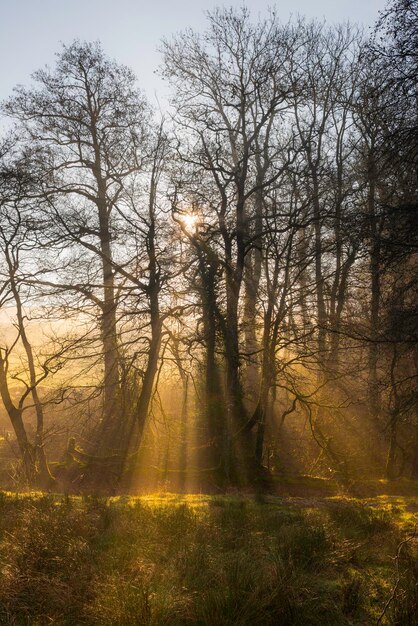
205 561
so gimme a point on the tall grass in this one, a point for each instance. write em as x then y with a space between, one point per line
215 561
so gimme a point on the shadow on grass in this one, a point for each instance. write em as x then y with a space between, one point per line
201 560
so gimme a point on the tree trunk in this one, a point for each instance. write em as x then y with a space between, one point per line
216 416
391 458
252 281
44 476
375 253
15 414
319 279
414 469
108 313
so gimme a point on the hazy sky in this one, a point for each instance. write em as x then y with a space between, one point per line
130 30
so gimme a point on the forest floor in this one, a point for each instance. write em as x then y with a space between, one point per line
170 559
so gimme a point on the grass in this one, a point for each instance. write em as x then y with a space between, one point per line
205 560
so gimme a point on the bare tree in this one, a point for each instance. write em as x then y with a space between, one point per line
85 127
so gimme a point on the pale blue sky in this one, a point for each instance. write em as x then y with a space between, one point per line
130 30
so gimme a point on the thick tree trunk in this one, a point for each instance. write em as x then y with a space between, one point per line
216 415
108 320
108 313
234 278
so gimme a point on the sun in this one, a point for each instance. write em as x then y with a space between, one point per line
190 222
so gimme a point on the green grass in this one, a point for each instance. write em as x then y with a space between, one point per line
206 560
